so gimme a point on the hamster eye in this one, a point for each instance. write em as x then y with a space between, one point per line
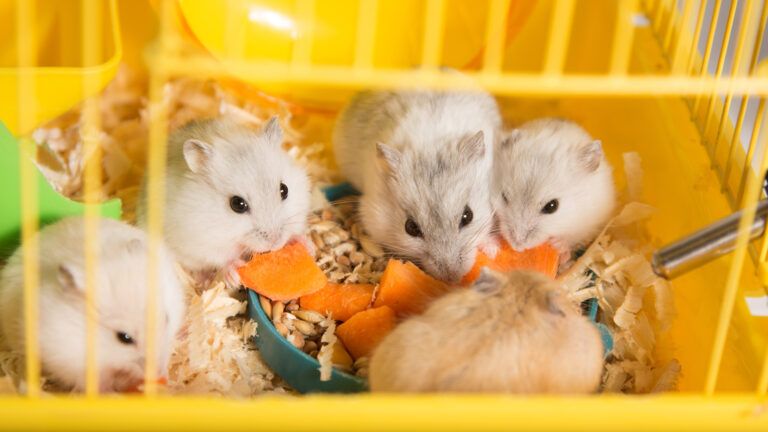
504 197
238 204
283 191
124 338
466 218
550 207
412 228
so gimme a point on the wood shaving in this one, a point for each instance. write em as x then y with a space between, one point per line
215 354
325 356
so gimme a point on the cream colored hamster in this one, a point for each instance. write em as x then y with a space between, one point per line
552 183
231 191
121 284
513 334
422 160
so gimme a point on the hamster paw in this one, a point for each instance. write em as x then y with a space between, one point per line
490 247
231 276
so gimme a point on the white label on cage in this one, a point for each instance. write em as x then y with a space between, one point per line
758 306
640 20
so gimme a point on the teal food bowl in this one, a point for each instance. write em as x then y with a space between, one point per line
296 367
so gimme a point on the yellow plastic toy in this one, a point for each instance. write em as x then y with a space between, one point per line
52 74
282 31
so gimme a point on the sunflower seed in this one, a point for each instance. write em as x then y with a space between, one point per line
304 327
309 316
266 306
277 311
282 329
317 240
344 249
370 247
310 346
331 239
343 260
324 226
356 258
361 362
297 339
337 276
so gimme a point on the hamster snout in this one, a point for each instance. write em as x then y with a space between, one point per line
515 333
121 291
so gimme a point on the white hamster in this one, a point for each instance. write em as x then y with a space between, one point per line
422 160
121 290
230 191
512 334
552 183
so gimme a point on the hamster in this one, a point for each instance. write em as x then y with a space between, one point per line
512 334
552 183
422 160
121 290
230 191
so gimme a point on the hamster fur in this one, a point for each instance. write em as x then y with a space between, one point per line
512 334
424 156
209 163
545 160
121 285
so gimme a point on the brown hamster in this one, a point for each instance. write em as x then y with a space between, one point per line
516 333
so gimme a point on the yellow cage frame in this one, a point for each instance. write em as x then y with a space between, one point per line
686 76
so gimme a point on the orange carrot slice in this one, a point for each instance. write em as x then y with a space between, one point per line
284 274
365 330
406 288
543 258
341 301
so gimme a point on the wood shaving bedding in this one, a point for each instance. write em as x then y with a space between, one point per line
214 354
635 304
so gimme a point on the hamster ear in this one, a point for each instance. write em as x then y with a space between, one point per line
388 158
511 138
273 131
473 147
489 282
553 305
590 155
70 279
135 246
197 154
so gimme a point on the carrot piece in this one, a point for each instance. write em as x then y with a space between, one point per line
406 288
284 274
341 301
543 258
365 330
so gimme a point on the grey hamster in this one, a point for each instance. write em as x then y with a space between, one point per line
422 160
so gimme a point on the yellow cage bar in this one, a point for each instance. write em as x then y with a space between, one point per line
624 69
